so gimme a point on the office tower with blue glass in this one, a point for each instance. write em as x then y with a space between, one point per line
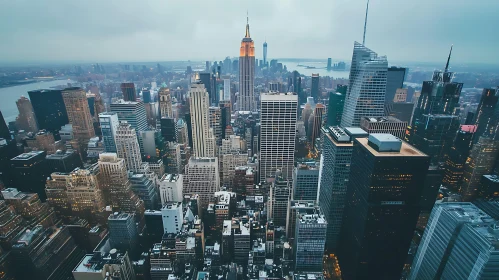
109 124
337 147
367 86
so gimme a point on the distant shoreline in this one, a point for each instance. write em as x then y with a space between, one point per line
18 83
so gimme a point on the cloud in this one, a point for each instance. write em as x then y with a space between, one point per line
158 30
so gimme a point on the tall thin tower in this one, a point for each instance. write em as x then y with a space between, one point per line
365 25
246 101
265 53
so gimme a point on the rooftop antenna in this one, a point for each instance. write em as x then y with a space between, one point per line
448 59
365 25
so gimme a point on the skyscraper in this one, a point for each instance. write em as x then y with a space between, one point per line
165 103
456 156
4 129
131 111
334 172
305 181
317 122
115 186
202 177
26 119
335 108
367 86
390 125
29 171
480 162
434 123
394 80
202 140
246 100
109 124
277 134
83 191
280 197
49 109
128 90
382 207
75 100
310 239
457 244
127 147
265 54
294 84
314 89
123 233
487 115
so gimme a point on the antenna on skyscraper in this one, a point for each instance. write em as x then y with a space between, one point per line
448 59
365 25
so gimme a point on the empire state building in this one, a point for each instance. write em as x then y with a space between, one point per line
246 101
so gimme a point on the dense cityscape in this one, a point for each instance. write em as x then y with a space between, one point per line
250 168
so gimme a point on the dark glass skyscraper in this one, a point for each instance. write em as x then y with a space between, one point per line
335 108
434 123
382 207
456 156
487 115
394 80
49 109
4 129
314 89
128 90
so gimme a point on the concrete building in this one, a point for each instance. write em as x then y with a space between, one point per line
63 161
110 263
277 134
278 203
109 124
29 172
367 86
127 147
305 181
202 177
171 187
390 125
394 81
173 217
165 103
83 190
145 189
56 191
123 233
310 241
202 138
26 119
75 100
115 185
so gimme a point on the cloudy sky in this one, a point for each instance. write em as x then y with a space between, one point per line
160 30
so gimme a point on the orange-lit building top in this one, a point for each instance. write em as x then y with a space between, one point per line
247 44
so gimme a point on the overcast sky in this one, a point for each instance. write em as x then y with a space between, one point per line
160 30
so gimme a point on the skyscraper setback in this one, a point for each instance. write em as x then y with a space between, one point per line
203 140
75 100
246 100
367 86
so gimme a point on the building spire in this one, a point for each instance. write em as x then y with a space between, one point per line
448 59
247 26
365 25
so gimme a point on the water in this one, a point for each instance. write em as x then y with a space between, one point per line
9 96
320 69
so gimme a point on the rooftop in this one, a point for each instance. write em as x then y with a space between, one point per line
405 150
382 119
94 263
119 216
28 155
312 218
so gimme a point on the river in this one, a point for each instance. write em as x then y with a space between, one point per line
321 69
9 96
